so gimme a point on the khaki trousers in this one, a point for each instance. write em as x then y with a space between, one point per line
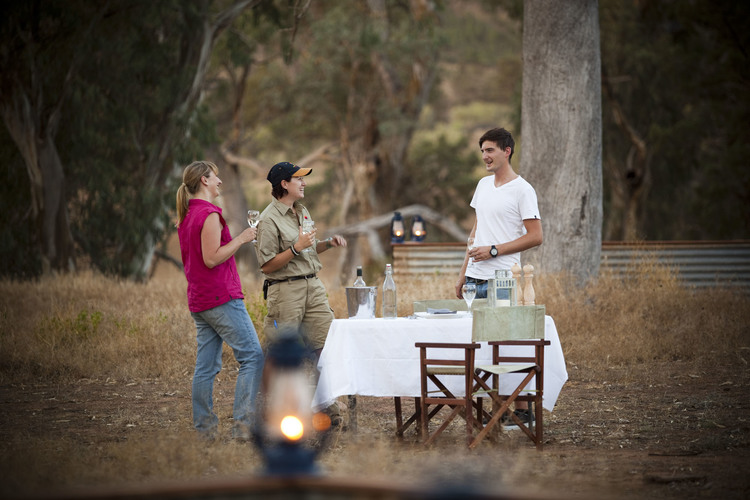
299 305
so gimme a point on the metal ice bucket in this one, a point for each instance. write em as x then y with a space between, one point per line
360 301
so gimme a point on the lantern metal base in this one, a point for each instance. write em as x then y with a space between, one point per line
290 459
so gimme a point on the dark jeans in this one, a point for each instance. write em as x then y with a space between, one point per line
502 293
481 287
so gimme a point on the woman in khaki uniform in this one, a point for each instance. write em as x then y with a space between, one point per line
296 298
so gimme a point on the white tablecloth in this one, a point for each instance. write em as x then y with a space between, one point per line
377 357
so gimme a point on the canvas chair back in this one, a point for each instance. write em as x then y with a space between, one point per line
452 304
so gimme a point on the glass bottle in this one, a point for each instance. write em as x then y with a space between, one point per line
359 282
389 294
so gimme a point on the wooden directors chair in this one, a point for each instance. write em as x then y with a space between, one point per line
432 368
439 361
504 327
500 327
415 418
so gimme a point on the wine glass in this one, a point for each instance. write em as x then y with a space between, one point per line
253 217
307 226
469 291
470 244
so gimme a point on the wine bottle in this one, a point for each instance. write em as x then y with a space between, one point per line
359 282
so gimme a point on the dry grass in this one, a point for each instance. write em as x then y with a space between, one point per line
620 324
81 326
84 337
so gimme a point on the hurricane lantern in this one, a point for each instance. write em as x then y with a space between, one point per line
285 436
397 228
418 231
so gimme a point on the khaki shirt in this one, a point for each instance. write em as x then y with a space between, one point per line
278 230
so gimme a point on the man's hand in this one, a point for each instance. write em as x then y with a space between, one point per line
481 253
459 285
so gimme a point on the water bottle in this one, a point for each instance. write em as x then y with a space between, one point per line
359 282
389 294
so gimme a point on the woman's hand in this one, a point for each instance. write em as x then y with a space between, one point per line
248 234
338 241
306 240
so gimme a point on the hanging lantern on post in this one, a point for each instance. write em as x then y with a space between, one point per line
418 231
397 228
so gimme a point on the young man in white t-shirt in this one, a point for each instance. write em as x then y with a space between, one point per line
507 215
507 220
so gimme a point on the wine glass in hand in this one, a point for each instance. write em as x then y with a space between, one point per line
470 244
253 217
469 291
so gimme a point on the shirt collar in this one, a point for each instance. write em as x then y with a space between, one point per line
283 208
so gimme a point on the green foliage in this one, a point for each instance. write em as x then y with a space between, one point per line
124 124
61 331
678 68
442 173
680 72
129 105
474 41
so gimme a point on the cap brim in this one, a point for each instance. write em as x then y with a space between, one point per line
302 172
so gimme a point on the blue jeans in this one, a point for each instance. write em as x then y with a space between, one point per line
482 290
228 323
481 287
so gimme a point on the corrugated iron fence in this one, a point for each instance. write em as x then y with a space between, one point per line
697 263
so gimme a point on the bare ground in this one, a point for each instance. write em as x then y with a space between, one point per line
685 436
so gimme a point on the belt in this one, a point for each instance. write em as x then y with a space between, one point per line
268 283
474 280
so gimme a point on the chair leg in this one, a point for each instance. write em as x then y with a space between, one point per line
469 411
539 425
399 419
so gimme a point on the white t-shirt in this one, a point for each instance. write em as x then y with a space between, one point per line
500 214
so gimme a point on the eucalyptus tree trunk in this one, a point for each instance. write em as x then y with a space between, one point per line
561 131
629 180
34 133
32 117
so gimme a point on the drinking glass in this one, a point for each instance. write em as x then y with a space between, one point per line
307 226
253 217
469 291
470 244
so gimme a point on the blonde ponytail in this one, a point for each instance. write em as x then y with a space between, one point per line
191 181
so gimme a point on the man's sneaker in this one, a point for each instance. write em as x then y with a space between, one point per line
526 416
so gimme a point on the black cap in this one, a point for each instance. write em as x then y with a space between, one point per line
284 170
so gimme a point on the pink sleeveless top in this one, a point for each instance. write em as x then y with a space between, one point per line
207 288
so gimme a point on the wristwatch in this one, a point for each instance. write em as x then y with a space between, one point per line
493 251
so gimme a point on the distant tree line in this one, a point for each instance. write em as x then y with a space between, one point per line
104 102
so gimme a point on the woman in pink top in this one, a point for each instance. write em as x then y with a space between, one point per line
215 300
